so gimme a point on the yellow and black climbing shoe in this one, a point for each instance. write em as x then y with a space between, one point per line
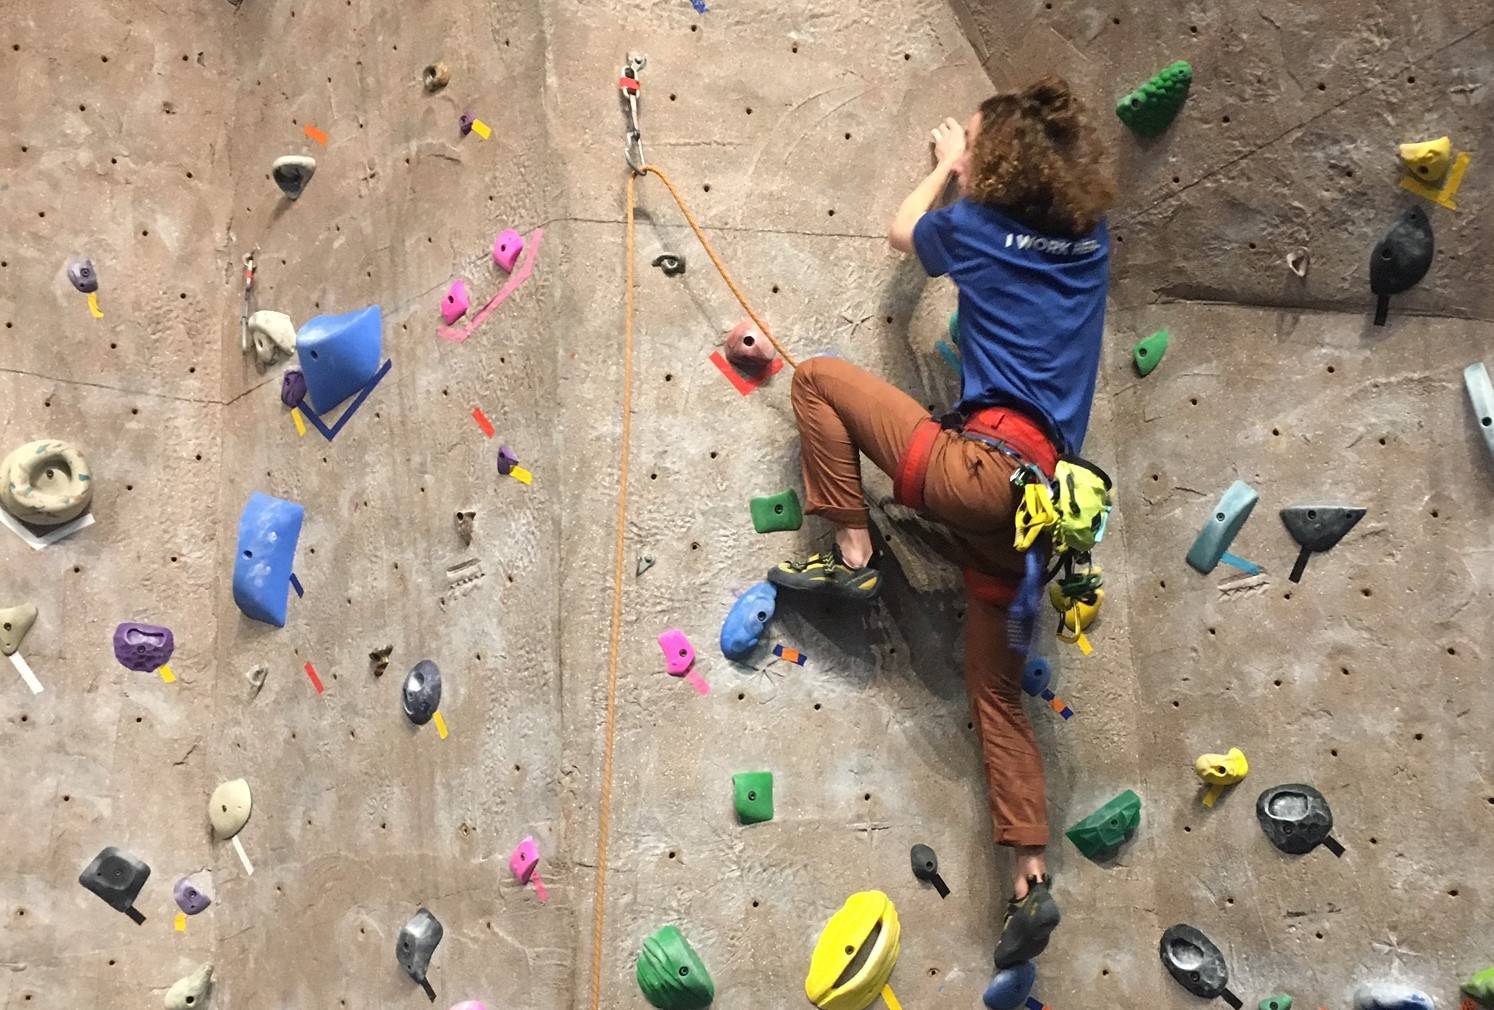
1028 925
828 573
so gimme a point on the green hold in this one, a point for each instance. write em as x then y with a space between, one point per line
754 796
1152 107
671 975
1148 352
777 512
1481 987
1282 1002
1103 831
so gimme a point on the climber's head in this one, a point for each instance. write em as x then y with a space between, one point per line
1035 154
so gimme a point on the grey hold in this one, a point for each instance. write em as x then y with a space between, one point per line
1297 819
292 172
464 520
1391 996
415 946
1196 964
256 676
422 692
82 275
116 877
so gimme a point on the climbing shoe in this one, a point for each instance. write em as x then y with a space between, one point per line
828 573
1028 925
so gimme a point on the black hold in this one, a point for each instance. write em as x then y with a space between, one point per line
1196 964
1297 819
926 868
1317 528
672 264
416 944
645 562
1400 259
292 172
117 877
422 692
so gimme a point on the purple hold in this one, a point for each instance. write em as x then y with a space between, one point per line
188 898
466 122
143 647
506 460
292 387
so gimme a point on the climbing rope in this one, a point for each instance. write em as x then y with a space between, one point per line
604 813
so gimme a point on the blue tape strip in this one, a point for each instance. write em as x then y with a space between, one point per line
1248 567
1067 712
296 585
699 5
330 433
1033 1003
951 358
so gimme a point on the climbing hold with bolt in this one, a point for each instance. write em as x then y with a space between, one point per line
292 172
191 992
1427 160
416 944
421 693
454 303
679 654
15 622
671 974
1196 963
269 529
746 620
752 793
188 898
777 513
671 263
1391 996
1211 546
274 336
292 387
464 521
436 76
229 808
1147 354
116 877
1297 819
1279 1002
1481 397
45 483
926 868
1400 259
82 275
856 953
747 350
143 648
1100 834
1151 108
1219 770
1317 528
1481 987
340 354
506 249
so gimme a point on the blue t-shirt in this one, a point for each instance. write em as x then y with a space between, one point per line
1032 308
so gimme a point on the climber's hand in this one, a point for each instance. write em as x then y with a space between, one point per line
949 142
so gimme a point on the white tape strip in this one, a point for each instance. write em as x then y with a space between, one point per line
24 669
238 847
49 538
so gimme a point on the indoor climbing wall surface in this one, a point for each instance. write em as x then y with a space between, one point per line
793 134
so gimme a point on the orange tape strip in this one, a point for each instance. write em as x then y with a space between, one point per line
315 134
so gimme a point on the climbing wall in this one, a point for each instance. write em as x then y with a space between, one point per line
792 132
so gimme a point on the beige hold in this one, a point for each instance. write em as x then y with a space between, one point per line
191 992
14 623
274 336
45 483
229 808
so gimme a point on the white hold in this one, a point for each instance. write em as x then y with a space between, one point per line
1297 261
1391 996
14 623
191 992
274 336
229 808
256 676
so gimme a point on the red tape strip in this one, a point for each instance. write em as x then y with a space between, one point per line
744 384
482 421
316 681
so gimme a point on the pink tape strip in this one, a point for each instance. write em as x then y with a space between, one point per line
515 279
539 888
694 680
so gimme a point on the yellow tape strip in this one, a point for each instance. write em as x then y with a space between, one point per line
1084 645
166 674
1443 195
1212 796
93 305
440 724
481 129
181 922
522 475
300 422
892 1003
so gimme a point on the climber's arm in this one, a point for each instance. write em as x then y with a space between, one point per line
900 232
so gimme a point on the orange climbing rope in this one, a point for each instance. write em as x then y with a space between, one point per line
604 813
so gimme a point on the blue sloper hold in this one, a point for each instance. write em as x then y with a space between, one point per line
1221 528
1011 986
340 354
748 617
268 531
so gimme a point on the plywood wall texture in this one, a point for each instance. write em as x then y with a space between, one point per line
143 136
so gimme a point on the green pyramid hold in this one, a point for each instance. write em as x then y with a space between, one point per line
1102 832
1282 1002
1151 108
1481 987
670 973
753 794
778 512
1147 354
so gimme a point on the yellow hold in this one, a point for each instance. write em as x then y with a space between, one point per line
867 917
1219 770
1427 160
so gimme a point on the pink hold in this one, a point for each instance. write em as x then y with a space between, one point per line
525 859
679 654
454 303
748 349
470 1004
506 249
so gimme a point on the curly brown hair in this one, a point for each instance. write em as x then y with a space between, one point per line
1038 158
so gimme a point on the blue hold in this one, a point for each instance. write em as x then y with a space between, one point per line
268 531
340 354
1036 676
749 616
1011 986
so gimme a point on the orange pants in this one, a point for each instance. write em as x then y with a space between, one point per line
844 410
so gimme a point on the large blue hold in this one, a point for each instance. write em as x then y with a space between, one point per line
749 616
339 354
1011 986
268 531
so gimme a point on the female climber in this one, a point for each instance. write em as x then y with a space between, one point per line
1028 249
